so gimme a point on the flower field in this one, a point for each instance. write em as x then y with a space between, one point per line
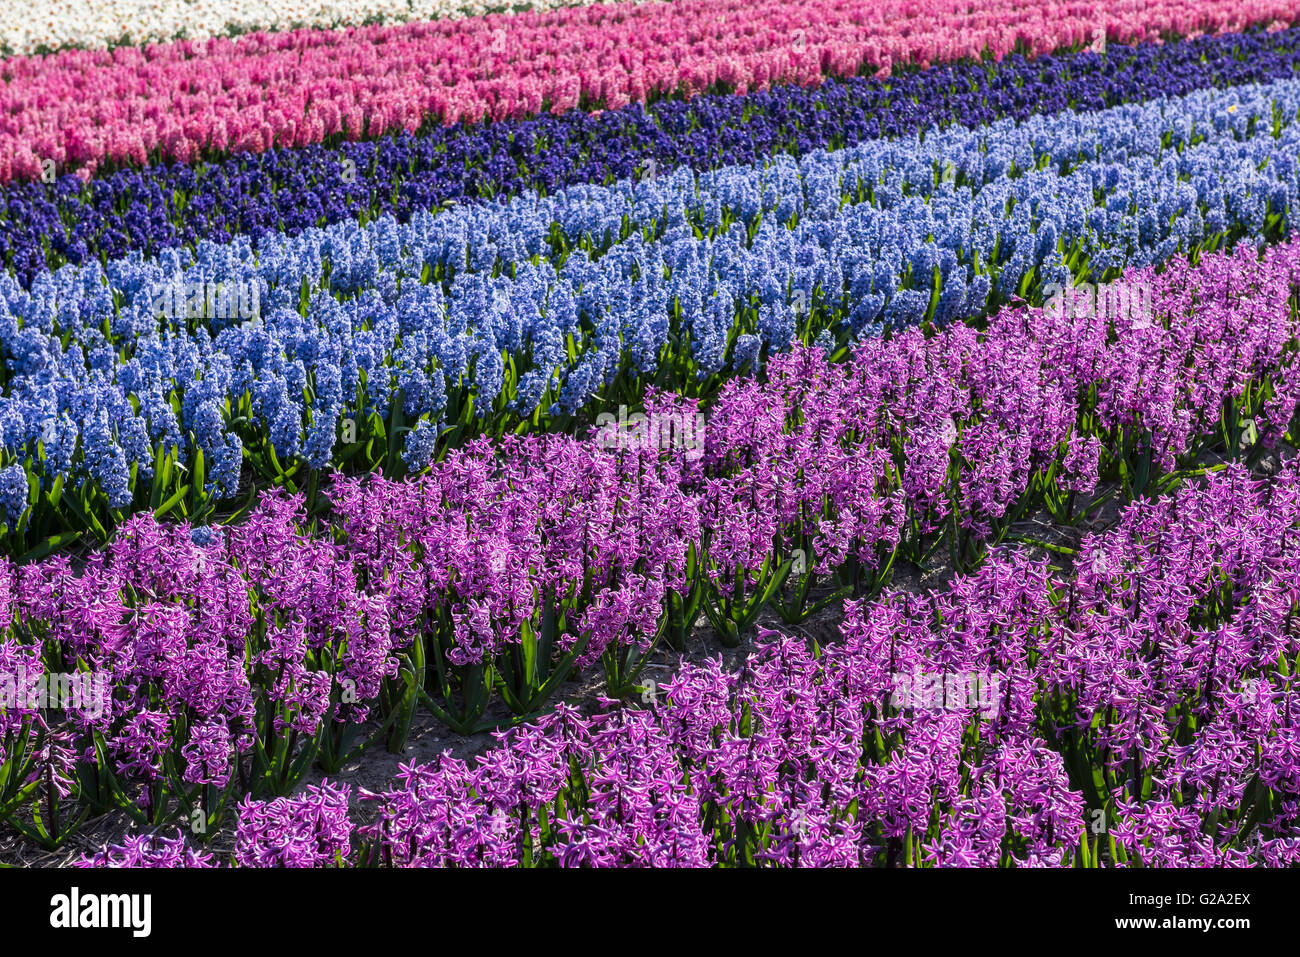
815 434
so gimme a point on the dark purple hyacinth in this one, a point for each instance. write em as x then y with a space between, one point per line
292 189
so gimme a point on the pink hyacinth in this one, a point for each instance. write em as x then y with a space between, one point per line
82 109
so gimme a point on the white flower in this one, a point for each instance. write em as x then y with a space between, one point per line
55 24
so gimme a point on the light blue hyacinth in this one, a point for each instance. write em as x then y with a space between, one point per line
351 314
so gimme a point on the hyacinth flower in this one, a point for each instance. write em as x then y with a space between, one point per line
838 510
42 785
54 25
523 561
149 850
320 665
545 554
936 769
740 514
46 789
658 458
1133 710
187 101
378 345
310 829
231 662
982 428
258 649
291 189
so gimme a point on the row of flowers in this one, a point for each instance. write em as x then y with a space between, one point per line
157 383
77 110
43 225
1141 710
45 26
232 659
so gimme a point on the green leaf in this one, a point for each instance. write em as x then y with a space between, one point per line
48 545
